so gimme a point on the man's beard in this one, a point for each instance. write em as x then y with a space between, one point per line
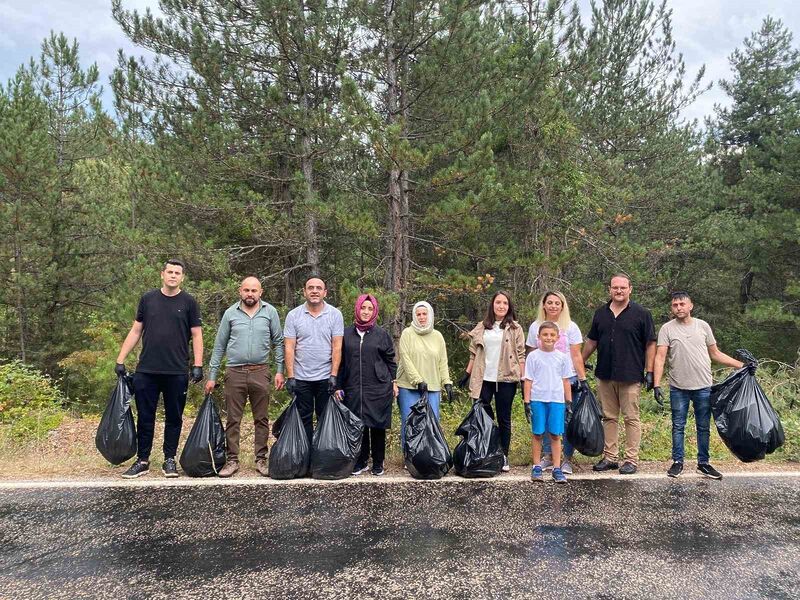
250 301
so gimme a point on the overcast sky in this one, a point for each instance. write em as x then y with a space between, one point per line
705 32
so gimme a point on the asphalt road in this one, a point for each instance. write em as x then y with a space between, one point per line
643 538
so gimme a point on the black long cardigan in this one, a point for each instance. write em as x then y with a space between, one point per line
366 374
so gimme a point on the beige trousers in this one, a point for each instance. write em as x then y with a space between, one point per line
620 397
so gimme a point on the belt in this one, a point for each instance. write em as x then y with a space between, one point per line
248 367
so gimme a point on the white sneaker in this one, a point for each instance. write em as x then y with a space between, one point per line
566 467
547 464
505 468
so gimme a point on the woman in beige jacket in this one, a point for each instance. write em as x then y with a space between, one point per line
497 361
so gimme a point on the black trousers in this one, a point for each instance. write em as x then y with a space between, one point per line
147 388
312 397
503 394
374 440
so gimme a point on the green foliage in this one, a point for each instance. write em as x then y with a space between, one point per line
437 150
31 404
89 371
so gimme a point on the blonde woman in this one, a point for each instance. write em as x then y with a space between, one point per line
553 307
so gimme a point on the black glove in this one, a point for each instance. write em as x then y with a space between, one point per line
448 388
462 383
751 367
583 385
422 387
289 385
648 381
332 384
588 367
120 370
658 395
528 413
197 374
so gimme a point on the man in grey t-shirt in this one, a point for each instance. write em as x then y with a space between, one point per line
690 346
312 336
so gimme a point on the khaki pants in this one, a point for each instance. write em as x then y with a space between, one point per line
251 381
616 397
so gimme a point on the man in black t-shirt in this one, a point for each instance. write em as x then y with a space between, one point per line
623 333
166 320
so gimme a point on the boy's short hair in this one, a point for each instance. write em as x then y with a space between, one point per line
548 325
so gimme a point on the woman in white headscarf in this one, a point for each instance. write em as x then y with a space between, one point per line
422 365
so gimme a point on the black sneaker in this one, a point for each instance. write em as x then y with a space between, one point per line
169 468
377 469
709 471
137 469
605 465
628 468
359 469
675 470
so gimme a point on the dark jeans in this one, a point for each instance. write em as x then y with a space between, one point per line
566 448
503 394
147 387
312 397
679 401
374 439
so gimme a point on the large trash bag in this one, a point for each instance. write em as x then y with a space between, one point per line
337 442
427 455
116 434
478 454
290 456
745 419
204 451
585 427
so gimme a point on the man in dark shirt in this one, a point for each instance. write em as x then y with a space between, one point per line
623 334
165 321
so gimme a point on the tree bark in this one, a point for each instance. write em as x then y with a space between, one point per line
397 241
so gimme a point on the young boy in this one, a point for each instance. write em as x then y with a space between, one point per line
545 390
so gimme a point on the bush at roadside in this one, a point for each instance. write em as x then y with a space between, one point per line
31 405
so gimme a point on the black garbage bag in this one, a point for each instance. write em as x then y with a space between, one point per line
745 419
337 442
585 427
116 434
290 456
204 451
427 455
478 454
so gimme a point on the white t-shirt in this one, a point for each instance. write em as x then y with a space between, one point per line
565 339
547 371
492 342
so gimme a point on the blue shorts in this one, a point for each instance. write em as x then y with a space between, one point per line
547 417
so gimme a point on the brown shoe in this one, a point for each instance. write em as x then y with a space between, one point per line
262 467
229 469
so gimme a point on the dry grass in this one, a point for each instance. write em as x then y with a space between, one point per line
69 453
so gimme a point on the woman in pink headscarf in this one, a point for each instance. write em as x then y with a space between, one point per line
366 378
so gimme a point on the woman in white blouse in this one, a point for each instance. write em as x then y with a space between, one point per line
497 359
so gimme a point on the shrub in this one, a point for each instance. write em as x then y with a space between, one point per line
31 404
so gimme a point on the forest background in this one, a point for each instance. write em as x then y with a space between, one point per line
437 150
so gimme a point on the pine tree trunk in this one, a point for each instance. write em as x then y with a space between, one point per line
397 241
306 166
20 304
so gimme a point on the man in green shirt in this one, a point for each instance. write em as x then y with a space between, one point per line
248 332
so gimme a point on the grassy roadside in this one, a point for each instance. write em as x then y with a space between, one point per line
68 451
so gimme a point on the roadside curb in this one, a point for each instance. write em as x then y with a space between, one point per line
368 480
